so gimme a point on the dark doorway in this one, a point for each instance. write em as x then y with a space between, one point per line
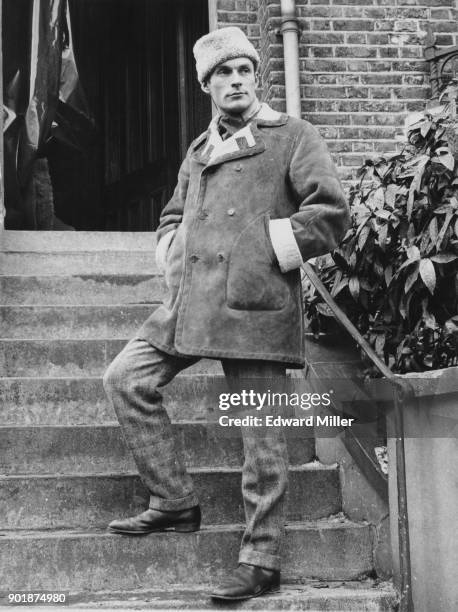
135 63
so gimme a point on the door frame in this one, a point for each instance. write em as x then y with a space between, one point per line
212 15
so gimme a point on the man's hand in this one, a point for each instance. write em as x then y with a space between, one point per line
162 249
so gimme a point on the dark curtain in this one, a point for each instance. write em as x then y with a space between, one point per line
32 51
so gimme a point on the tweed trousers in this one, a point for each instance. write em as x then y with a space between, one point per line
133 382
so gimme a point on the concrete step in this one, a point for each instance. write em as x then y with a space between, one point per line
65 290
95 560
316 596
26 241
58 358
90 449
71 263
93 500
72 322
67 401
82 401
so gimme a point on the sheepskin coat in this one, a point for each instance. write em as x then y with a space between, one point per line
245 213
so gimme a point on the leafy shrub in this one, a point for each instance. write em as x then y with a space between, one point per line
396 273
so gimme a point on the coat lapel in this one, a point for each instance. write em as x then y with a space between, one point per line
245 142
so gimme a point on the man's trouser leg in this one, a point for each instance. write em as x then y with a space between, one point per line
132 382
265 471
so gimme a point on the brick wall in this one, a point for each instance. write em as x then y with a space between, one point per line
362 66
241 13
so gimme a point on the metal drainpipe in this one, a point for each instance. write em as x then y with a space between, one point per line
290 32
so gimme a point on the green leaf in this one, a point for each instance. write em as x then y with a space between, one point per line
395 221
363 236
415 120
429 320
383 214
411 232
444 228
443 258
425 128
376 199
410 200
439 132
383 235
324 310
360 211
343 283
390 195
441 210
413 253
415 161
416 183
379 344
428 274
379 270
407 263
444 157
388 274
382 168
433 229
451 326
425 239
353 285
410 280
404 304
341 262
337 279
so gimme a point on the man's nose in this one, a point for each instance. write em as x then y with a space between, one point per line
236 81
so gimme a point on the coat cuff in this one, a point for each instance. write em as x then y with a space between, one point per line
284 244
162 249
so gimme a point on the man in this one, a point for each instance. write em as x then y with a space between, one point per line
257 194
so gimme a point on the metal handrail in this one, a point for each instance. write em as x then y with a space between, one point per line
403 392
437 59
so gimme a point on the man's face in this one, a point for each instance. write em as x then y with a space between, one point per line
232 85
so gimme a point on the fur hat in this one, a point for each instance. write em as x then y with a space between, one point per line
218 47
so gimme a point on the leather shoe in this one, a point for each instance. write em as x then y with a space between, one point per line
248 581
157 520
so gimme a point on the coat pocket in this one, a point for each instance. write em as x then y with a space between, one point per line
254 280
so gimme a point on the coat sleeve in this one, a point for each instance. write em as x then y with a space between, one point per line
323 215
172 215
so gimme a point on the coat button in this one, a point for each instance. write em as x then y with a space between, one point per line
238 168
231 212
193 258
220 256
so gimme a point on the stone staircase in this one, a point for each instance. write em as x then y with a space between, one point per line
68 303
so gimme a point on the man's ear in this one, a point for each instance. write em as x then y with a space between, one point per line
204 87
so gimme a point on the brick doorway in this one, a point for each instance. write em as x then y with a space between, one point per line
135 65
